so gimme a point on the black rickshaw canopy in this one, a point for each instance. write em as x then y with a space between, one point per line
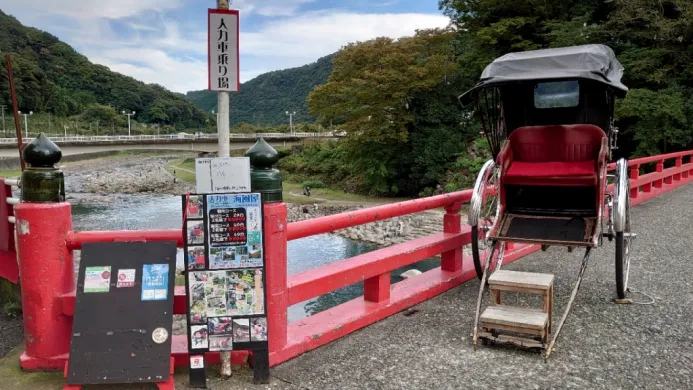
588 62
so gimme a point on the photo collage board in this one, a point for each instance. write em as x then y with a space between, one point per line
225 278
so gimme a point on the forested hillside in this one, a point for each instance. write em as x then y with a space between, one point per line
397 99
52 78
265 99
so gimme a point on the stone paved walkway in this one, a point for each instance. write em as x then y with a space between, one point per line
602 345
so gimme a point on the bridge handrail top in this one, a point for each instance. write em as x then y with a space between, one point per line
636 162
330 223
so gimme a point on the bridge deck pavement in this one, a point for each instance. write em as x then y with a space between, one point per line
602 345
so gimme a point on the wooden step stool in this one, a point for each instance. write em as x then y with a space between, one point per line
526 321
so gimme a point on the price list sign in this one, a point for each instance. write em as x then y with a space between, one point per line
228 226
225 279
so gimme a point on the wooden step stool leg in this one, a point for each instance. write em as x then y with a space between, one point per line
550 307
496 298
547 305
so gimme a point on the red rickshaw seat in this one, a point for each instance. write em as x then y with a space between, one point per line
579 173
566 155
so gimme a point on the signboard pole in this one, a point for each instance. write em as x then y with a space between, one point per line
223 140
223 68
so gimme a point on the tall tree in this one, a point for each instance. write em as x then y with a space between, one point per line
371 91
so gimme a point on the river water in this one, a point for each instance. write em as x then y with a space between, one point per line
134 212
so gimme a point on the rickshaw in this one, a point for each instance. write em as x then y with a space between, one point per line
548 117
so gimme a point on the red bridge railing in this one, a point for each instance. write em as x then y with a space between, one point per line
45 243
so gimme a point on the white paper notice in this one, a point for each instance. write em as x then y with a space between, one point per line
222 175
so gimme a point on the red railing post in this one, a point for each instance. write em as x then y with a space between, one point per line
43 220
377 289
46 272
452 260
634 175
679 163
275 223
660 169
684 174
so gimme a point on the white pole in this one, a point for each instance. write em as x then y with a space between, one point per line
4 131
223 123
223 140
128 114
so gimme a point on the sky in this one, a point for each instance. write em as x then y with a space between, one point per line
165 41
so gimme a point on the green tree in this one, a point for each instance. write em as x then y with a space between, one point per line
655 119
97 112
371 91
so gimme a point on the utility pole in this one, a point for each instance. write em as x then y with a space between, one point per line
4 131
128 114
291 121
26 128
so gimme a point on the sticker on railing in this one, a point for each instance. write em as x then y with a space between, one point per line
126 278
97 279
155 282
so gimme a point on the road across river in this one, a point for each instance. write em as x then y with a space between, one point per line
196 147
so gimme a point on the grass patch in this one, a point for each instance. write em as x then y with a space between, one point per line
185 168
335 195
297 199
180 168
12 173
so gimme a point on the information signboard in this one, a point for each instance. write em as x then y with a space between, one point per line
225 278
123 313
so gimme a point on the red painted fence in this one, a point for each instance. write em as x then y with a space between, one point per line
46 241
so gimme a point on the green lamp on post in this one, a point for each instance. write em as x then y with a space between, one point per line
42 181
263 178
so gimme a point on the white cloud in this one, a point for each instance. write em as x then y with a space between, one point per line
279 44
317 34
155 66
108 9
144 40
269 7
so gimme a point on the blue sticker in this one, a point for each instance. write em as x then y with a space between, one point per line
155 282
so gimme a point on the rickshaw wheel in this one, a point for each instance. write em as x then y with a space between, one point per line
484 212
495 248
623 228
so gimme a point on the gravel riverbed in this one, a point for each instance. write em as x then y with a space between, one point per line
124 175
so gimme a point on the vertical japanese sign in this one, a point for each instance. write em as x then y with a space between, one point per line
223 48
